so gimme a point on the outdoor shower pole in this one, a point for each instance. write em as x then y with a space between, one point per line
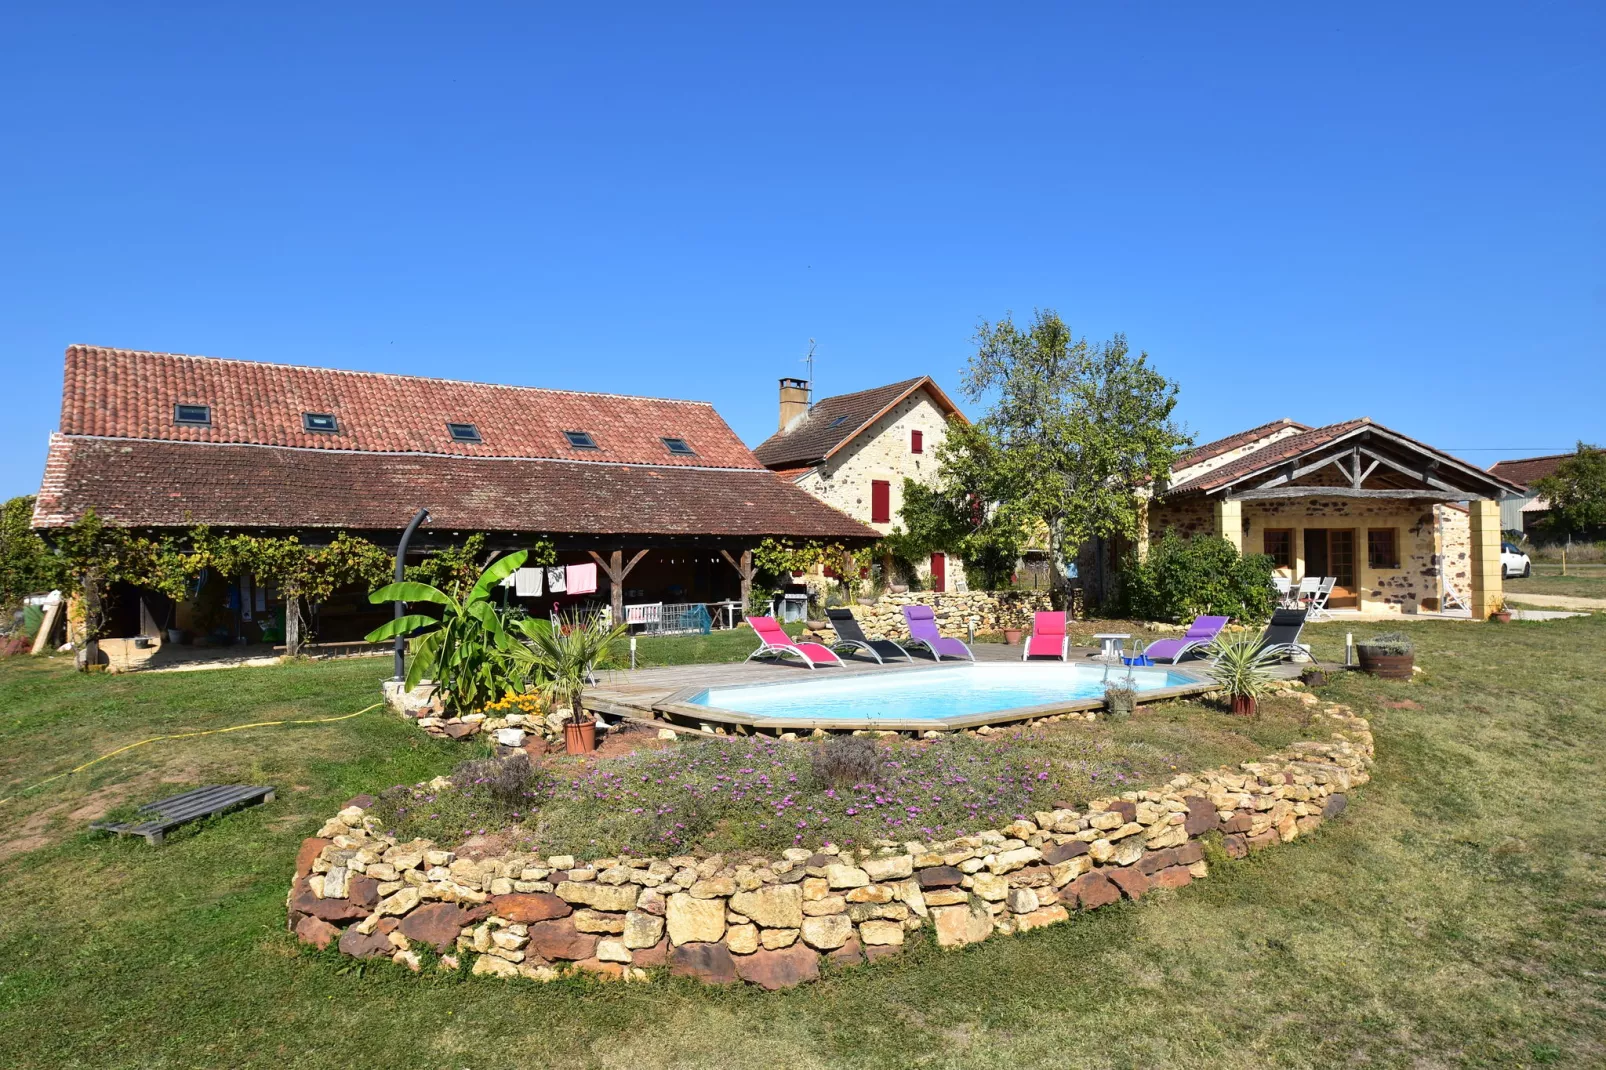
400 607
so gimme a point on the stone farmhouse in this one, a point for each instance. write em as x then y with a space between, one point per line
853 452
654 500
1402 526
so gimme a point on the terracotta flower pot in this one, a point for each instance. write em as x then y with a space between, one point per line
1502 617
1244 705
580 737
1386 666
1013 635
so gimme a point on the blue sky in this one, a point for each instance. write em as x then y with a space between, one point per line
1385 210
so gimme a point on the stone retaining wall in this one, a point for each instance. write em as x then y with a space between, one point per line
988 611
770 921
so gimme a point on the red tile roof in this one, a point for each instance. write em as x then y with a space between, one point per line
121 454
120 393
833 422
138 483
1200 454
1273 453
1283 449
1526 471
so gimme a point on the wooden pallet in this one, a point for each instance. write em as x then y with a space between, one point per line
169 814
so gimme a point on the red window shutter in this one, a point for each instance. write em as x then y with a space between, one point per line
917 442
880 501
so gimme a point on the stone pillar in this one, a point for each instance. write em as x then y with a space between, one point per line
1487 589
1230 522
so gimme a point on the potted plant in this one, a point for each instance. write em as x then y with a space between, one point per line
1389 656
1242 669
561 660
1120 699
1499 612
1013 636
1311 676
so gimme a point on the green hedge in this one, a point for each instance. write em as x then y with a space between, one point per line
1183 578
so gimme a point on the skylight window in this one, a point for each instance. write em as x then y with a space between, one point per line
319 421
199 415
839 421
463 432
679 447
581 440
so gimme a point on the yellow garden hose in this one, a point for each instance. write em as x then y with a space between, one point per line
188 735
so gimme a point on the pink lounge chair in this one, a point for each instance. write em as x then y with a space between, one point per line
774 642
1201 633
1048 638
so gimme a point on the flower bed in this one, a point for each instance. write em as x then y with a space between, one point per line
770 918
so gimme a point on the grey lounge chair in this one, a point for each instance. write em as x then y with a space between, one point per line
849 636
1281 636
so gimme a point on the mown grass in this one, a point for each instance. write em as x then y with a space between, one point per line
1455 916
1586 585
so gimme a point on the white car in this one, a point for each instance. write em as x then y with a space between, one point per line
1513 562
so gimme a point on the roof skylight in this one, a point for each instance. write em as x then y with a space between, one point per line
199 415
463 432
581 440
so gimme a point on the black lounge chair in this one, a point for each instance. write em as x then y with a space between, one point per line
1281 636
850 636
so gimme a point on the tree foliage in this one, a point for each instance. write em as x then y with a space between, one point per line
1576 492
455 568
1179 579
26 564
1075 433
952 516
775 558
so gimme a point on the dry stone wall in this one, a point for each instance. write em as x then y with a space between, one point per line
772 921
956 612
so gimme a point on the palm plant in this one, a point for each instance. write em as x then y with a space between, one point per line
467 650
561 655
1242 669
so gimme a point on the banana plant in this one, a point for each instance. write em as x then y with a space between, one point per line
468 652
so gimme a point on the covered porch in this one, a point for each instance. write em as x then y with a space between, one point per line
1399 526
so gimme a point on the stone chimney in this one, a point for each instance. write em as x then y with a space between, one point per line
794 400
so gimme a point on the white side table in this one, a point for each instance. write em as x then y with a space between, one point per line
1112 645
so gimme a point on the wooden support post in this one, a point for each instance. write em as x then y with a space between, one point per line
292 621
616 570
744 569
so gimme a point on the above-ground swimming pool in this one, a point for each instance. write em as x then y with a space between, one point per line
942 697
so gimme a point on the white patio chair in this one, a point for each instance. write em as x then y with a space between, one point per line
1285 587
1307 590
1318 601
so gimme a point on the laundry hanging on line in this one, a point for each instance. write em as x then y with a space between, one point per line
581 579
557 580
527 582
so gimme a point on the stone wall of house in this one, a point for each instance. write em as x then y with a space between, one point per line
769 920
1421 529
1455 548
882 451
956 613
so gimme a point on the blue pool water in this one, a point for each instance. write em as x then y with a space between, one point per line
933 694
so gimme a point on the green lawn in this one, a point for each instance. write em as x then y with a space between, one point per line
1455 916
1590 584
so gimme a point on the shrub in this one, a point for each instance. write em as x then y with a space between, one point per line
506 781
1181 578
1389 644
843 761
1121 699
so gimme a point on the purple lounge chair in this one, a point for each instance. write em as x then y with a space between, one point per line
923 632
1200 633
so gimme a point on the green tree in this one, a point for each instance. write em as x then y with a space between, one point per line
1577 492
1075 432
1178 579
26 564
953 517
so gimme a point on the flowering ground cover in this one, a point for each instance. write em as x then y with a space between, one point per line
760 793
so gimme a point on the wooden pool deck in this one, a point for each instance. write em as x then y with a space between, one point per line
660 695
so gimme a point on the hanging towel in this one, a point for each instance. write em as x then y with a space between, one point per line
582 579
527 582
555 580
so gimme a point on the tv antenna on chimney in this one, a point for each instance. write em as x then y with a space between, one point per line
809 360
